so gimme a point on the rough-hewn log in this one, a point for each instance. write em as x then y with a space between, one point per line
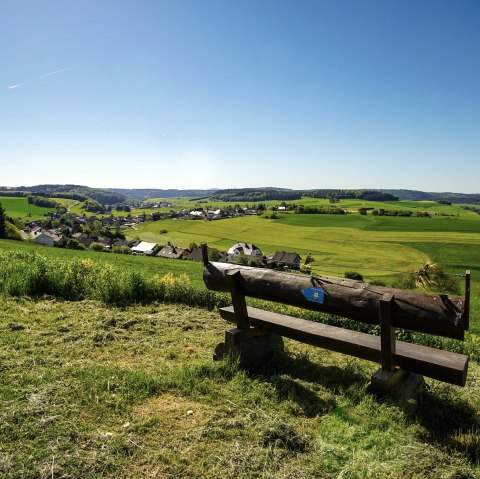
427 313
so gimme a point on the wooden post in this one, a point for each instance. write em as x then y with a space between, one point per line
466 309
205 254
387 333
234 279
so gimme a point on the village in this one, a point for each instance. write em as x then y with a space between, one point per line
105 234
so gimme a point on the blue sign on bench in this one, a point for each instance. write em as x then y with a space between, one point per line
315 295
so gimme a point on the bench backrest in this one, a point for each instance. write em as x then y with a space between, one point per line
435 314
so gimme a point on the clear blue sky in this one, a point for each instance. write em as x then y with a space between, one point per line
238 93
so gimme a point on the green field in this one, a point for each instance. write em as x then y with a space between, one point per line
377 246
374 246
145 265
94 389
17 207
90 391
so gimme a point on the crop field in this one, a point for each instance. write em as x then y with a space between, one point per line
373 246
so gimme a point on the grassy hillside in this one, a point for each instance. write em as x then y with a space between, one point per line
90 391
127 263
375 246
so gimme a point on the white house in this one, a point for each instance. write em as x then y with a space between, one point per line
43 238
247 249
144 248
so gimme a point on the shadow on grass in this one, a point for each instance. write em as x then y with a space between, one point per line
292 376
449 421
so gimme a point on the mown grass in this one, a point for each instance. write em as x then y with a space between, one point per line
92 391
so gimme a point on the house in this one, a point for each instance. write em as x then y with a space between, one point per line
128 244
173 252
59 240
290 260
144 248
197 215
246 249
83 239
43 238
196 254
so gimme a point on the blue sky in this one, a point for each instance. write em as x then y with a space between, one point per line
207 93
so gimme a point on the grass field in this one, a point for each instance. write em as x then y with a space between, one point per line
145 265
20 208
93 391
377 247
89 391
374 246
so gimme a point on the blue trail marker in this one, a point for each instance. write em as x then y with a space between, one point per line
316 295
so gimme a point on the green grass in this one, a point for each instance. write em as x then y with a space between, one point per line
20 208
90 391
146 265
338 243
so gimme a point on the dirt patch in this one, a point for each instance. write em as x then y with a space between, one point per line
173 411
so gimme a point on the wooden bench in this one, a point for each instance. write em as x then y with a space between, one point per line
258 332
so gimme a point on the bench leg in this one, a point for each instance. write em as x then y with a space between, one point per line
399 385
390 381
253 347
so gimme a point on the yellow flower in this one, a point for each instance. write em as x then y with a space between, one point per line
86 263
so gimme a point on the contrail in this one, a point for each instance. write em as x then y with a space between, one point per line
53 73
17 85
41 76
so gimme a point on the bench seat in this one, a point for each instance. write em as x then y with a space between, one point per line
433 363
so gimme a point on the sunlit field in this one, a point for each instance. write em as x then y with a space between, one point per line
18 207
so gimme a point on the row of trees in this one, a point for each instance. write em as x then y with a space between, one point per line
321 210
383 212
42 201
247 194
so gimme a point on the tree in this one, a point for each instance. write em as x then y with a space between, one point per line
3 220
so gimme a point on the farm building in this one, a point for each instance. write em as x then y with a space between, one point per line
43 238
147 249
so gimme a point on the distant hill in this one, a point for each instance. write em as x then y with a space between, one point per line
266 194
142 194
75 192
414 195
108 196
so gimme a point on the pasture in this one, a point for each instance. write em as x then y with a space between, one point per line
377 247
18 207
